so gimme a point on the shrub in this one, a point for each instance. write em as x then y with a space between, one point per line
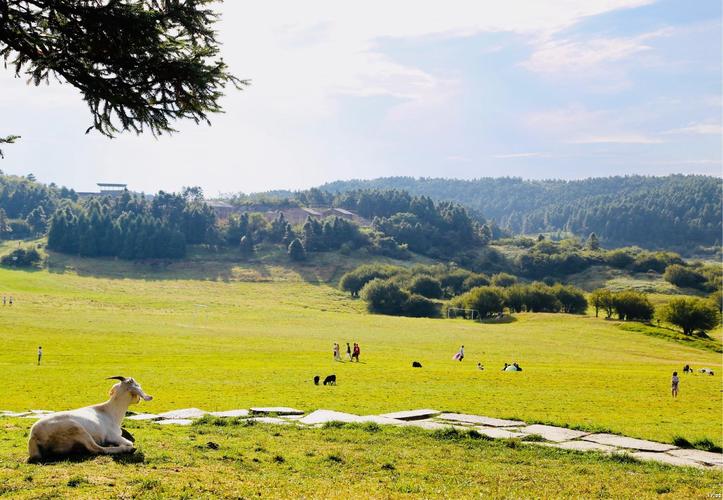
683 276
384 297
572 299
475 280
21 257
655 261
355 280
487 300
516 298
452 281
602 299
542 298
619 258
717 299
503 280
630 305
690 314
418 306
297 252
426 286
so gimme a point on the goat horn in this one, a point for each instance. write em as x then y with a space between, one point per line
122 379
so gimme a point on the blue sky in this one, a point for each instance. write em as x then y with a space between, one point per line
561 88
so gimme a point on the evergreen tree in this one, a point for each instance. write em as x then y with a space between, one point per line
164 63
37 220
296 250
247 246
592 242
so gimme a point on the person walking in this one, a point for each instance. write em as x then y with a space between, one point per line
674 384
40 354
5 300
460 354
355 353
337 357
348 351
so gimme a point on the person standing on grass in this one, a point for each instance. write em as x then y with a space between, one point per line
460 354
674 384
337 357
355 354
348 351
11 300
5 299
40 354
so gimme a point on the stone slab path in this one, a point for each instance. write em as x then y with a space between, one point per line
496 428
476 419
412 414
278 410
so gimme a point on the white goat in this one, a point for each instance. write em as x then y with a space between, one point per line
94 429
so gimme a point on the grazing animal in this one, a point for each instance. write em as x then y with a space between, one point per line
316 379
706 370
330 380
94 430
687 369
416 364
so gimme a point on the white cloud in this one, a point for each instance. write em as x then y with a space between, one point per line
698 129
586 58
578 125
629 138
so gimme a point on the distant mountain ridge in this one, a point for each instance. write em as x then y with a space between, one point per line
668 211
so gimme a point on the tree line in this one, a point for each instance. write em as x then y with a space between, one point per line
653 212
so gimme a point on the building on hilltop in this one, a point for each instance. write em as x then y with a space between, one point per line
222 209
105 189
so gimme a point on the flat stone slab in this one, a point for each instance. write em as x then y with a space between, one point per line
324 416
271 420
175 421
479 420
279 410
378 419
412 414
144 416
497 433
704 457
16 414
185 413
629 443
580 446
552 433
665 459
230 413
429 425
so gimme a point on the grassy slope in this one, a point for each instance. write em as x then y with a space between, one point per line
348 462
260 343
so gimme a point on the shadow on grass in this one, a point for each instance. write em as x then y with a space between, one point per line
224 266
135 457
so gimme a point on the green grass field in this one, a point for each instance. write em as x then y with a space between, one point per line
229 344
351 461
219 335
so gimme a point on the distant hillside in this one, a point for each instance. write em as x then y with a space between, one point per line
671 211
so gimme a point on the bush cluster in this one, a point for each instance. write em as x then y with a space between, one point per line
21 257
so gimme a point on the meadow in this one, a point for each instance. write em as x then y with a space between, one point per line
226 343
234 460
